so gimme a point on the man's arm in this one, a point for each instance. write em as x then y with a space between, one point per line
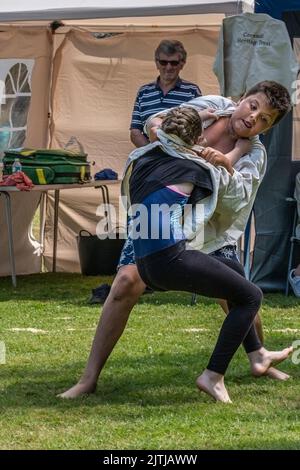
137 138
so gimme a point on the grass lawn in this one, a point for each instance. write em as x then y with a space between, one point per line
146 398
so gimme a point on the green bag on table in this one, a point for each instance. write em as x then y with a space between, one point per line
49 166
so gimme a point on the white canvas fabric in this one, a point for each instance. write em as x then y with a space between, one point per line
68 9
252 48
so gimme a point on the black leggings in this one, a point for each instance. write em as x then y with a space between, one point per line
251 342
176 268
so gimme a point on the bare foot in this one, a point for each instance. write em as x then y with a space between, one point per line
78 390
213 384
276 374
262 359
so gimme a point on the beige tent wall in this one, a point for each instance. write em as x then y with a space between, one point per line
27 43
95 82
150 23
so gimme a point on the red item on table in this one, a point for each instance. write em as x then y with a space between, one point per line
18 179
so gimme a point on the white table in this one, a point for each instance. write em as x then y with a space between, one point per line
6 191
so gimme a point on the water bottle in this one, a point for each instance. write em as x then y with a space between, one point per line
1 166
17 166
74 145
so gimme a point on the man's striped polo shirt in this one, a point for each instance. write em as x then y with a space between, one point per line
150 100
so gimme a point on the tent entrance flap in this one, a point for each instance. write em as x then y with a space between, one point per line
273 215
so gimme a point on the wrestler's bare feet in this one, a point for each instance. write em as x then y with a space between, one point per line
78 390
276 374
213 384
262 359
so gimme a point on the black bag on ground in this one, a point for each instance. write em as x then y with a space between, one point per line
98 257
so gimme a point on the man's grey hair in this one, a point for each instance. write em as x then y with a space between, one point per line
171 47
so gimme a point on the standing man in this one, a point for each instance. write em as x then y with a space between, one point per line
167 91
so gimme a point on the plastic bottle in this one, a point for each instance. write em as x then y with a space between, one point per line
17 166
1 166
74 145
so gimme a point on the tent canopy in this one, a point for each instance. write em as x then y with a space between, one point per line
49 10
93 87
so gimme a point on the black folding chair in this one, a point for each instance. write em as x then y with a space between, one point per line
293 241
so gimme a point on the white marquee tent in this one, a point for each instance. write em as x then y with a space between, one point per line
83 83
50 10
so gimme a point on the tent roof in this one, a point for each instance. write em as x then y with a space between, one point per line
18 10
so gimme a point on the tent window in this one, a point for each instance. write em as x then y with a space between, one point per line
15 96
296 111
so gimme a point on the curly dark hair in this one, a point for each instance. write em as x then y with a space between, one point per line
277 96
184 122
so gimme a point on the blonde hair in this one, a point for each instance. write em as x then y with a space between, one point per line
184 122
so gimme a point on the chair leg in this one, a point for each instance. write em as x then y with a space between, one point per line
287 286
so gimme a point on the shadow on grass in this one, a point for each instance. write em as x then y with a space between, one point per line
279 300
65 288
156 379
75 289
146 380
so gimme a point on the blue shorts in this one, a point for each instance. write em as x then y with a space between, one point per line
127 255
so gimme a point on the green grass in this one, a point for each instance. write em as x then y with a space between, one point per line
146 398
